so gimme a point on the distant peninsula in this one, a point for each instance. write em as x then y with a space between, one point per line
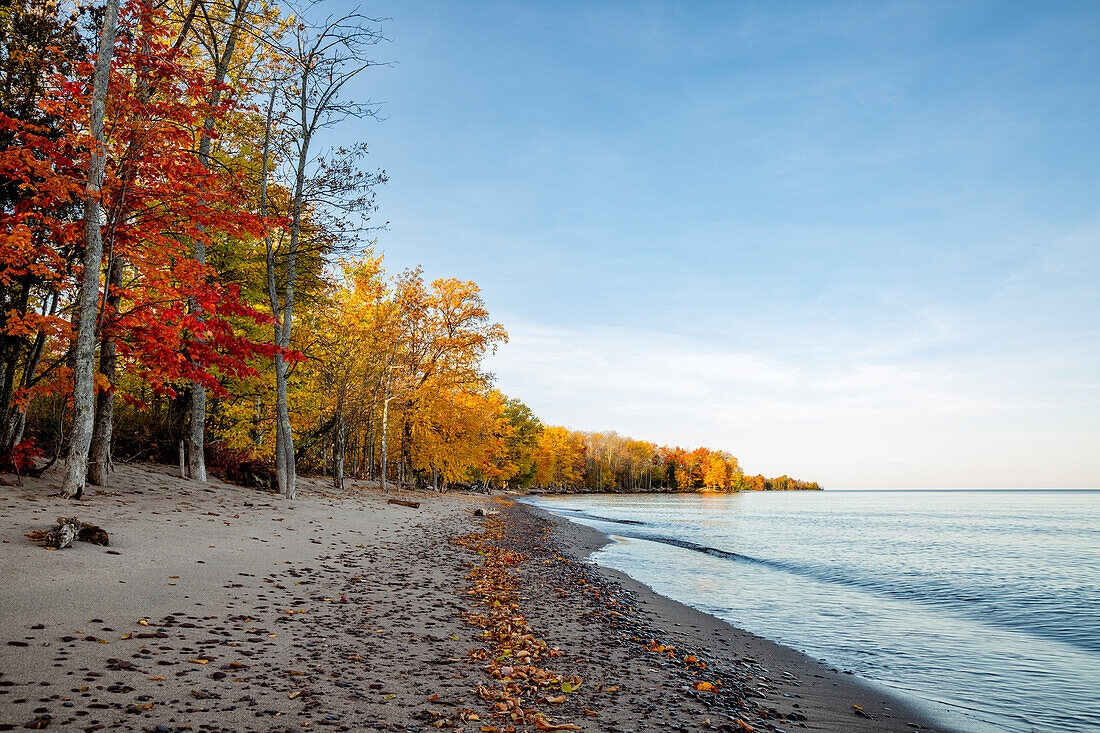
557 460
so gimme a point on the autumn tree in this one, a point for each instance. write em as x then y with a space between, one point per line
443 332
347 352
228 23
41 185
517 462
559 458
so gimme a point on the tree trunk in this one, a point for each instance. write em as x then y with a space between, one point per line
99 465
357 455
287 485
284 444
338 454
18 420
385 430
284 316
196 436
406 432
80 438
370 436
287 322
13 348
280 453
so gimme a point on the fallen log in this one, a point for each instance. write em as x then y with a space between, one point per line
410 504
70 529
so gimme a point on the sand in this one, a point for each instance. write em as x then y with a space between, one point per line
222 608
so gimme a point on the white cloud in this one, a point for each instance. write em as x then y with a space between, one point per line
869 418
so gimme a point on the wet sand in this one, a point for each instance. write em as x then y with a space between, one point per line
221 608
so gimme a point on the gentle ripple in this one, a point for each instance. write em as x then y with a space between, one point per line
986 603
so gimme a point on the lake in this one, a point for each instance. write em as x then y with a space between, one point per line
985 604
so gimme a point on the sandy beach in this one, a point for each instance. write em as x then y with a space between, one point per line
218 608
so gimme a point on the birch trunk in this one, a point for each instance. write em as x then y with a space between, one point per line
385 430
80 438
338 454
285 441
287 315
284 444
370 437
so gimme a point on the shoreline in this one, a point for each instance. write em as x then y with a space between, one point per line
537 492
219 608
825 696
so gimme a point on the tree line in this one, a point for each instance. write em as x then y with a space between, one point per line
187 270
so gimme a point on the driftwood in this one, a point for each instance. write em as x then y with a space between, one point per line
410 504
70 529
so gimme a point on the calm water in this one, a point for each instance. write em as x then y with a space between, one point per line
984 603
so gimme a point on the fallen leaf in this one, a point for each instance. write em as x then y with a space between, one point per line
705 687
199 661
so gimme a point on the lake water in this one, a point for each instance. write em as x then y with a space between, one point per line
985 604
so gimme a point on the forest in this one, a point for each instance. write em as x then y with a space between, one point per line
188 271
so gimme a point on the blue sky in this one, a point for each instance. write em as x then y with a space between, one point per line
851 242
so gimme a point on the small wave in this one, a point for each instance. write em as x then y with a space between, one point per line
614 521
588 515
962 601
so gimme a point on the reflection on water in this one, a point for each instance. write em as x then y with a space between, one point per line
987 603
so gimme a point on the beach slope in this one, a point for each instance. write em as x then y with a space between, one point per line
218 608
